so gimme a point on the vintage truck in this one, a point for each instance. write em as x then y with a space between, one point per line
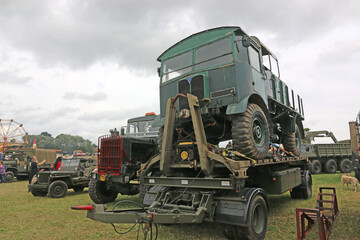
327 157
219 84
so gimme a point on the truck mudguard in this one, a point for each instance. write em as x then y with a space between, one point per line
235 211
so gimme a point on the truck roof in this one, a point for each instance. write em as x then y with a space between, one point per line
142 118
207 36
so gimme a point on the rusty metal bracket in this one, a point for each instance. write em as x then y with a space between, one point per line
324 215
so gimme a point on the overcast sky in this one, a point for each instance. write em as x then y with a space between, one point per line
83 67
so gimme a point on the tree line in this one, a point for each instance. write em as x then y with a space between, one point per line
65 142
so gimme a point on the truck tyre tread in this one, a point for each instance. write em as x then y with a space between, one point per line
292 141
331 166
9 177
315 167
98 194
243 137
345 166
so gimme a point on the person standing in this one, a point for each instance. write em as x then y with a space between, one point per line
34 167
2 171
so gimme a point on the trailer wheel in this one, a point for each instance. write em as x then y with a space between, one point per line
58 189
38 193
315 167
257 221
331 166
9 177
78 188
99 194
250 132
345 166
292 141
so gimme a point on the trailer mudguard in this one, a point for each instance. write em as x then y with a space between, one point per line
234 208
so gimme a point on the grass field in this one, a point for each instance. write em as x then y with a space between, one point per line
23 216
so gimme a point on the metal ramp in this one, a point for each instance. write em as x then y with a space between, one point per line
324 215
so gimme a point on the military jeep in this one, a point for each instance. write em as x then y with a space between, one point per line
74 173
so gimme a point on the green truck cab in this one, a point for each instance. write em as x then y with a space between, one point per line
237 81
74 173
120 156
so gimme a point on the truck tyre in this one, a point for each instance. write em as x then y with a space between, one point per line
160 137
315 167
99 194
331 166
9 177
78 188
345 166
58 189
292 141
257 221
304 191
250 132
38 193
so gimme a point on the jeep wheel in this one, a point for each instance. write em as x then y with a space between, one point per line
58 189
9 177
99 194
292 141
250 132
78 188
38 193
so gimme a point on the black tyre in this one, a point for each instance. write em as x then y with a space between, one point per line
292 142
99 194
58 189
331 166
160 137
345 166
9 177
257 221
38 193
78 188
315 167
250 132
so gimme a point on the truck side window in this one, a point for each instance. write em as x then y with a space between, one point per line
254 58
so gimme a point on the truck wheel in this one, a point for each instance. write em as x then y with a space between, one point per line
315 167
250 132
38 193
160 137
307 192
9 177
331 166
99 194
292 141
257 221
78 188
58 189
345 166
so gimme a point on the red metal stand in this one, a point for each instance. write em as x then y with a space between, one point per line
324 215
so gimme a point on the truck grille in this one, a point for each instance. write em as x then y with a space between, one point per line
110 154
195 87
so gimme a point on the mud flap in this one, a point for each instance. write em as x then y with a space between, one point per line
233 209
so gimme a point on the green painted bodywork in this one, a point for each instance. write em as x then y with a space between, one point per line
244 80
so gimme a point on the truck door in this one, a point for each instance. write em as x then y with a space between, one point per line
258 76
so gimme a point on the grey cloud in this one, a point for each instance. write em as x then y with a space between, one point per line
79 33
11 77
95 97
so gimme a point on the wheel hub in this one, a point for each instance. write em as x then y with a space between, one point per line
258 131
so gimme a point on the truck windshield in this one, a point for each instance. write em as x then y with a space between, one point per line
213 54
176 66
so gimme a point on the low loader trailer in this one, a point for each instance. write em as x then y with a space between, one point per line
191 181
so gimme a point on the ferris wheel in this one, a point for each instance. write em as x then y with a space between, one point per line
12 134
